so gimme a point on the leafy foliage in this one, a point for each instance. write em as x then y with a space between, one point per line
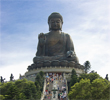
87 66
90 86
12 92
2 97
91 76
73 79
106 91
98 86
39 81
22 89
41 73
80 90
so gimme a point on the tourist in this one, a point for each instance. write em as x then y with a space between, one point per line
48 97
49 92
65 89
65 84
52 80
46 91
58 86
58 95
61 96
58 77
48 84
45 97
60 89
64 80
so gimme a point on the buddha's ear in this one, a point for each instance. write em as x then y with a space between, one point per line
38 36
49 27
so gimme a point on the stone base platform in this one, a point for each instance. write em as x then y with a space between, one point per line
54 69
30 75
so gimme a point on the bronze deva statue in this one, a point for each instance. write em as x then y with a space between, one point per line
54 46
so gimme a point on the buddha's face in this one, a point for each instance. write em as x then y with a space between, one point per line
55 24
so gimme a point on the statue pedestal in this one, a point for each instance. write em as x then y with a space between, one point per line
53 69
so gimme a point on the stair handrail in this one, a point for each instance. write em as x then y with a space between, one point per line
67 89
44 88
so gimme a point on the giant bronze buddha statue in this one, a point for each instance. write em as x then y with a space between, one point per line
55 48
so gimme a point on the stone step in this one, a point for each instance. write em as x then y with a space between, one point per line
51 86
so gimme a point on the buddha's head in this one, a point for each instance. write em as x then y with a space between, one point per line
55 21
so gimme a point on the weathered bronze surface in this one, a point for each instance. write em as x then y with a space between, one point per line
54 47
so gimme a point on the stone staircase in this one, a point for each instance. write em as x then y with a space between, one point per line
51 87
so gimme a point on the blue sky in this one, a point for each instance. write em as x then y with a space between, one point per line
87 22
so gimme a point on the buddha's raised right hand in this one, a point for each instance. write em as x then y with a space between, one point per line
42 39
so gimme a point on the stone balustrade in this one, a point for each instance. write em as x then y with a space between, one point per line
44 88
54 69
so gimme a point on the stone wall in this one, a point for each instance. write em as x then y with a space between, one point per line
30 75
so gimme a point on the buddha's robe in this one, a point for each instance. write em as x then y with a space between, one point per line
63 45
60 48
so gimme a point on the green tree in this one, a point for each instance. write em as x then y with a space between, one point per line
73 79
38 77
27 91
33 89
41 73
73 73
39 80
38 95
12 92
91 76
20 89
37 85
99 89
2 97
98 86
4 87
87 66
21 96
106 92
80 90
